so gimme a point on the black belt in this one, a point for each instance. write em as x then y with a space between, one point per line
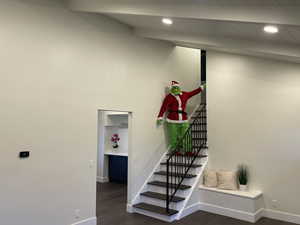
178 111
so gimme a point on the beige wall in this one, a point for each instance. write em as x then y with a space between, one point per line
57 69
253 118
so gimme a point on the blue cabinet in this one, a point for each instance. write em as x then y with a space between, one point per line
118 166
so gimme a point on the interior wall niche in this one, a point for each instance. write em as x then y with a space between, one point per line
116 123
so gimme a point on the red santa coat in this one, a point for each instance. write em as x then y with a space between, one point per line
175 105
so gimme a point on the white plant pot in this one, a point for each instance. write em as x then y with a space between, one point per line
243 187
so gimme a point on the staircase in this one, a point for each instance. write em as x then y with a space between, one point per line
169 188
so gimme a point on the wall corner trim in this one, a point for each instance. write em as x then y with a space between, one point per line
190 210
102 179
89 221
130 208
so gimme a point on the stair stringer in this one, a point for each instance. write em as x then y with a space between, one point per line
193 189
187 194
136 199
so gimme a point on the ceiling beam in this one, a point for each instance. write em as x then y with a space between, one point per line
264 49
284 12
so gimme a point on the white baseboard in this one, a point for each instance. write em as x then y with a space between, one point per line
89 221
259 214
130 208
189 210
283 216
246 216
102 179
237 214
168 219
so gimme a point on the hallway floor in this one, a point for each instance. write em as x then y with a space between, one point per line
111 210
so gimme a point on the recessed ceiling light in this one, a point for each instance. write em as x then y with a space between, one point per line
271 29
167 21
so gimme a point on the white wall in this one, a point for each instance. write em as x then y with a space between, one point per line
58 68
253 118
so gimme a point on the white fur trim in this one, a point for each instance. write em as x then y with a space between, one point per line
176 121
179 107
160 118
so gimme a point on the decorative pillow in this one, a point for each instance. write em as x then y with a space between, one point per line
227 180
210 178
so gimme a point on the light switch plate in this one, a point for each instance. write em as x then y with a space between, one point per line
92 163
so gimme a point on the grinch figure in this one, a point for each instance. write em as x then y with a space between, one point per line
177 119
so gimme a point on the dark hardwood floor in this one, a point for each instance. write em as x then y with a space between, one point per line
111 210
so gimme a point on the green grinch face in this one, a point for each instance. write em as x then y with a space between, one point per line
176 90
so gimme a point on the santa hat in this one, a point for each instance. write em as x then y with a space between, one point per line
174 84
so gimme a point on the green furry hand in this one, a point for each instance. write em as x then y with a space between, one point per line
159 122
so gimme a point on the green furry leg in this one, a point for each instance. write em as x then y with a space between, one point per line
175 133
186 146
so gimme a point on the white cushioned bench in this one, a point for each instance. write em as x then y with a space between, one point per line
241 205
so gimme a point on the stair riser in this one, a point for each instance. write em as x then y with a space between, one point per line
162 190
163 173
181 168
189 181
197 160
161 203
191 170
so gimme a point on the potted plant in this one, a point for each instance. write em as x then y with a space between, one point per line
243 177
115 139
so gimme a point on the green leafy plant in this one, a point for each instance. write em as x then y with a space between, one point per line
243 174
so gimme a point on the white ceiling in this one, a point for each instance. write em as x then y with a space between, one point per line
228 29
227 25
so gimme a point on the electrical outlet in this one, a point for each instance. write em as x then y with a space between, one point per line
77 213
274 204
91 163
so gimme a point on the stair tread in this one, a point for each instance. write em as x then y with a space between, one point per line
164 184
164 173
155 209
160 196
181 164
198 156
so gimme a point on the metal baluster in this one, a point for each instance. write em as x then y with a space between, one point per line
168 196
192 141
172 171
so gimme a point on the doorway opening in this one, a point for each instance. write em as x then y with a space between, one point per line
112 162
